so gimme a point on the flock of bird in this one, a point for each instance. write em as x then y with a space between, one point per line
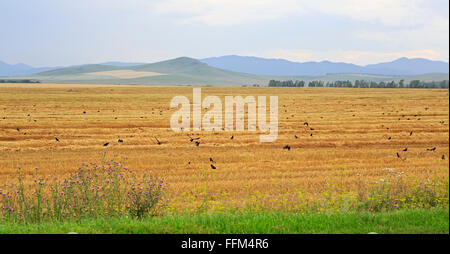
307 125
286 147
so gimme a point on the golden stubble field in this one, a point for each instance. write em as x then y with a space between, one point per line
357 134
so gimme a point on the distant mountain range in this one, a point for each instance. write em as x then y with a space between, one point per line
281 67
10 70
227 71
278 67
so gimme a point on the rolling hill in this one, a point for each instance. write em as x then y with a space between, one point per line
189 71
179 71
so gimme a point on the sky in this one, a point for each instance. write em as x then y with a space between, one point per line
60 33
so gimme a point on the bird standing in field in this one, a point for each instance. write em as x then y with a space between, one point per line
197 143
232 137
213 167
287 147
410 134
106 144
431 149
158 142
406 149
57 139
398 155
211 160
120 141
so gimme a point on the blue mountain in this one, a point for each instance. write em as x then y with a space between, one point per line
281 67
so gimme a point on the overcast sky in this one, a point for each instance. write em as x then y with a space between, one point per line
67 32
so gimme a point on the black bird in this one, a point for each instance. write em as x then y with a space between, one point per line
295 136
406 149
306 123
287 147
398 155
106 144
389 138
158 142
120 141
197 143
211 160
57 139
84 112
192 139
310 135
443 157
431 149
17 129
232 137
410 134
311 129
213 167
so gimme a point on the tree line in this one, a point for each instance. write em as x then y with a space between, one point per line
19 81
361 84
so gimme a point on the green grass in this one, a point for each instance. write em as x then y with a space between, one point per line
420 221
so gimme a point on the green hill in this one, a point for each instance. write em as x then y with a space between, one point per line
189 71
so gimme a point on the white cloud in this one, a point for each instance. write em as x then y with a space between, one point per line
349 56
228 12
388 12
433 34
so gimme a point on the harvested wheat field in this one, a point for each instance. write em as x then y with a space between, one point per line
358 140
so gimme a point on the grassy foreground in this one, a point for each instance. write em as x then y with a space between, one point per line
430 221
